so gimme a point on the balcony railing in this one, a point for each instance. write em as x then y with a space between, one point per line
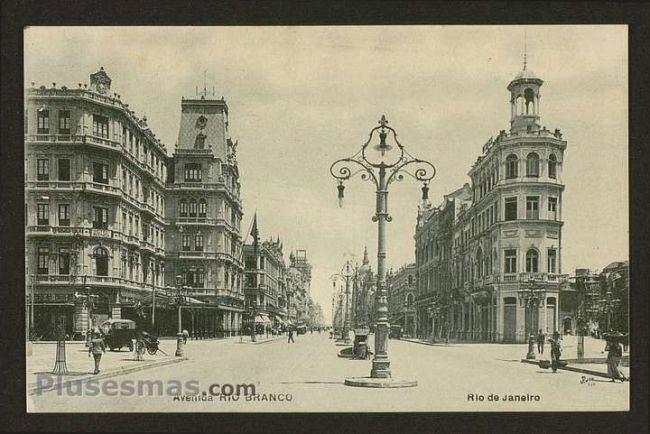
195 221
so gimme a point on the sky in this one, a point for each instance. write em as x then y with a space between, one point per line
302 97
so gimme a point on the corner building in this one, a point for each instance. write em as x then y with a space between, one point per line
204 212
506 236
94 206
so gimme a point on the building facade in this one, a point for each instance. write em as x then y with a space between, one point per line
95 207
204 212
401 298
506 238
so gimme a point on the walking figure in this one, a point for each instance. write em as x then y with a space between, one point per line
556 350
290 339
186 335
97 348
540 341
614 355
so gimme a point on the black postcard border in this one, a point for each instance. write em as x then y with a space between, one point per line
16 14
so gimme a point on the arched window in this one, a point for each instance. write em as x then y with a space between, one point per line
203 208
511 166
182 208
101 261
532 261
409 300
192 208
529 96
532 165
552 166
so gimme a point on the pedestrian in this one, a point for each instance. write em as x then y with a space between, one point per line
556 350
540 341
290 339
97 348
614 355
186 335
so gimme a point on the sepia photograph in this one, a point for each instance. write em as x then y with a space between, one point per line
326 219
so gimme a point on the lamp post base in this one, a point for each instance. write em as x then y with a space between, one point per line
380 383
531 348
180 350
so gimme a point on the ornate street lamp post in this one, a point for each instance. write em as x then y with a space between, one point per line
180 300
346 273
531 299
382 168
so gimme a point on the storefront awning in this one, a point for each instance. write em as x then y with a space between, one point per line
262 318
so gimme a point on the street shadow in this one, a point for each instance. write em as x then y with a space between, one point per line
510 360
548 372
67 374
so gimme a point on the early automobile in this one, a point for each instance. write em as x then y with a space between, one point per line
119 333
395 332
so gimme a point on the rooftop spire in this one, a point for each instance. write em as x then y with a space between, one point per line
525 51
365 255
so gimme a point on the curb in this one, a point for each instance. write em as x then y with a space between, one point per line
423 343
113 373
258 342
572 369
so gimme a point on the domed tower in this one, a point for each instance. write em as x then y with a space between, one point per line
524 101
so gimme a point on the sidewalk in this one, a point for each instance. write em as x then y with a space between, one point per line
593 363
80 366
260 339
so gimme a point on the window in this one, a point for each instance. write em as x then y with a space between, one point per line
101 262
193 172
42 169
552 208
552 260
42 214
532 165
100 173
64 122
43 117
100 126
64 169
198 243
43 257
199 143
532 261
510 256
182 208
552 166
64 215
192 208
532 207
511 166
511 208
187 243
130 225
100 220
203 207
64 260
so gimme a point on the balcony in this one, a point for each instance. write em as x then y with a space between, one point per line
191 254
53 138
101 142
55 185
97 187
147 246
181 221
148 208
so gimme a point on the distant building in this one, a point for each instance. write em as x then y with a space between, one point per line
506 232
401 298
